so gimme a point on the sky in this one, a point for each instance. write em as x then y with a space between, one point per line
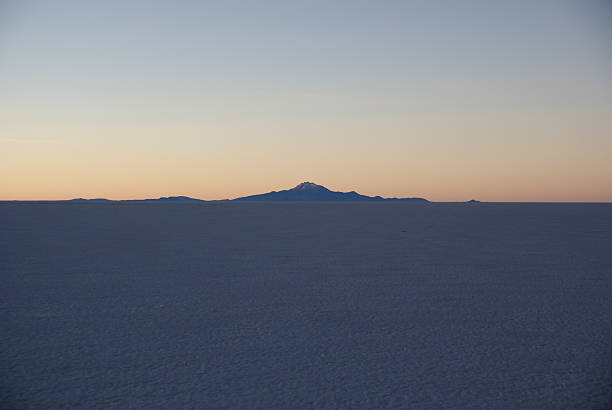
447 100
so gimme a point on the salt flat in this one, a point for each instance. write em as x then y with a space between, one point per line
305 305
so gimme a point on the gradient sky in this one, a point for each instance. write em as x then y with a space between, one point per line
448 100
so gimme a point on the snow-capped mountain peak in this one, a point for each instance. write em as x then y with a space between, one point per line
309 186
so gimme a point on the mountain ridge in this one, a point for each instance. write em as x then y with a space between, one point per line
303 192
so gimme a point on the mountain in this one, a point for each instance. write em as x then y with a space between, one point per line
309 191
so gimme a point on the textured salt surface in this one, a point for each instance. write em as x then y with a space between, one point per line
278 306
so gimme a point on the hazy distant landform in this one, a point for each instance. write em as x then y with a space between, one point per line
162 199
304 192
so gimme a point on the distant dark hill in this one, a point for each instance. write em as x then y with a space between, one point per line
162 199
311 192
90 200
171 199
